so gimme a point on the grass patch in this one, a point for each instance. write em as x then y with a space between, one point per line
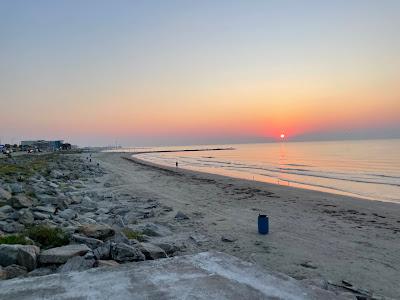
25 165
15 239
133 235
47 237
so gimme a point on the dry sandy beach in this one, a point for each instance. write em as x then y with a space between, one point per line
313 236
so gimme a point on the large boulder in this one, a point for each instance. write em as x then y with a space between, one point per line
61 255
97 231
103 251
7 209
25 217
8 255
20 201
87 202
181 216
40 216
45 209
68 214
77 263
169 248
23 255
4 194
90 242
3 216
3 274
27 256
151 229
40 272
105 263
16 188
151 251
123 253
13 271
12 227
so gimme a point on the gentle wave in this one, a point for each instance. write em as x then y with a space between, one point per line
368 169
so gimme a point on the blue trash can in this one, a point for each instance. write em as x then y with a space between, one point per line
263 224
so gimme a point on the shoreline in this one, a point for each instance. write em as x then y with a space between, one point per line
350 196
277 181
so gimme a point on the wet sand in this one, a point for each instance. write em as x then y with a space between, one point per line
314 236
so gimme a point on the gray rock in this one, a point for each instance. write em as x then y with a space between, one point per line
89 255
181 216
123 253
40 272
27 256
318 282
40 216
151 251
106 263
151 229
104 251
45 198
60 255
60 202
23 255
228 238
102 211
119 221
3 274
76 199
53 185
170 249
13 271
25 217
44 209
97 231
199 238
87 202
56 174
119 237
90 242
6 209
8 255
4 194
68 214
12 227
16 188
20 201
3 216
77 263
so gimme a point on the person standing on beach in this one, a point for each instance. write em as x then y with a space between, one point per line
176 164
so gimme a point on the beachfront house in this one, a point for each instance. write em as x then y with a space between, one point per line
42 145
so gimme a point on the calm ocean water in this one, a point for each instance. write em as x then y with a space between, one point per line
368 169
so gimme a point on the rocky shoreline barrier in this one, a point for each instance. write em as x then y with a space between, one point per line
58 214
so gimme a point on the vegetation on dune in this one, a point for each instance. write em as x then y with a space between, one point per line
13 239
132 234
23 166
47 237
44 236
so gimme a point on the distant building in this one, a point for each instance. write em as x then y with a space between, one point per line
42 145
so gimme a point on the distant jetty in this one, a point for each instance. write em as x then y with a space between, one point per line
183 150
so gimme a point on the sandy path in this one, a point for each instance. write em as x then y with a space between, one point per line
313 234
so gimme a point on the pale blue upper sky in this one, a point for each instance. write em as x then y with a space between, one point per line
67 68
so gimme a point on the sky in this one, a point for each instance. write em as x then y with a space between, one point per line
198 72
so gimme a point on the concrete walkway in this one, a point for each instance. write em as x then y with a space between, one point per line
208 275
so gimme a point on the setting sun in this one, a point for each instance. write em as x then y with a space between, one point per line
282 136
